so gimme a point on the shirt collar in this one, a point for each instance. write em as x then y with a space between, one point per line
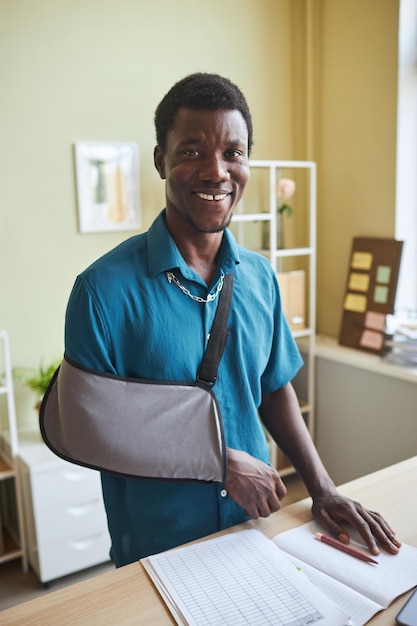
164 255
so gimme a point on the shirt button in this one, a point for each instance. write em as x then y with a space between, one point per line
223 493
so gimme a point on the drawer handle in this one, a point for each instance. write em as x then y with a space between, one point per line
83 509
85 543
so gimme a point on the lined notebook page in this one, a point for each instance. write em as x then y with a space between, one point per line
382 583
360 608
242 579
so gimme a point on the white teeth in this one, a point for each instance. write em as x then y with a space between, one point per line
206 196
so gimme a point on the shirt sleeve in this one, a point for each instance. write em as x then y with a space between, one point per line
86 333
285 359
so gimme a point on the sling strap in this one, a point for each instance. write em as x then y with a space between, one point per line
218 336
141 428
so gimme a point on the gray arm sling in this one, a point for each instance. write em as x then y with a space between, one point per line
141 428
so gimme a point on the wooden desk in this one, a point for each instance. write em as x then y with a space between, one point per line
126 595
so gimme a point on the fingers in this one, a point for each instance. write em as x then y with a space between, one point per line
281 489
322 517
261 504
371 526
383 532
374 530
254 485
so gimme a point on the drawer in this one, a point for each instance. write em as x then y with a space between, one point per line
63 520
64 557
71 484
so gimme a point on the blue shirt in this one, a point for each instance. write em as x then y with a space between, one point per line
124 317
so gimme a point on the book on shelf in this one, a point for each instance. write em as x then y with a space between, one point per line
245 578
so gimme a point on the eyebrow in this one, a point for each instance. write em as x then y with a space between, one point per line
230 144
188 141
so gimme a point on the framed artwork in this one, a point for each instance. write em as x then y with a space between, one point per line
370 292
107 176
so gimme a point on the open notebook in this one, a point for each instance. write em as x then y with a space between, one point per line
356 587
245 579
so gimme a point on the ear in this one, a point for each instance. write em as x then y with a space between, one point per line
159 161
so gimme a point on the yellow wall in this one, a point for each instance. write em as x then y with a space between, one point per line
85 70
355 137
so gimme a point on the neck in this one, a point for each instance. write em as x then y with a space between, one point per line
199 250
201 258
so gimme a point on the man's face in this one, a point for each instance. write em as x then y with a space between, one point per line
206 168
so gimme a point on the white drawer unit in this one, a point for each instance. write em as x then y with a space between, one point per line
65 520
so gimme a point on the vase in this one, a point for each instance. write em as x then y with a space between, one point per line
280 231
266 226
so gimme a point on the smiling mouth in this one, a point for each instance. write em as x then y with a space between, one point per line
215 197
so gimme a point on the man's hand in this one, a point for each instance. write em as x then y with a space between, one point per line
331 509
254 485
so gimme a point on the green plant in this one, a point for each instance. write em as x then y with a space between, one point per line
37 379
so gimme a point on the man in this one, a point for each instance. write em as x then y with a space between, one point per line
126 316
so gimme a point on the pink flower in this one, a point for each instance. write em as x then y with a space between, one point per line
285 188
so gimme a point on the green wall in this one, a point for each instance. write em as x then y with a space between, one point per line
91 70
94 70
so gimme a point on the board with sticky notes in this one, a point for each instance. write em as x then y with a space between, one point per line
370 292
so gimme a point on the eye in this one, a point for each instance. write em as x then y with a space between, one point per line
234 154
191 152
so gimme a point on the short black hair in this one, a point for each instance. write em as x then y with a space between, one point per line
200 91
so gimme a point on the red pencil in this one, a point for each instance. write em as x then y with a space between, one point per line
344 548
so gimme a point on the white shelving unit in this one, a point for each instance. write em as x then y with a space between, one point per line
12 536
269 213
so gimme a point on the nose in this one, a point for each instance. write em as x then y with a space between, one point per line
214 168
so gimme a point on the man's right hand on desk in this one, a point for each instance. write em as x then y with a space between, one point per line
254 485
338 513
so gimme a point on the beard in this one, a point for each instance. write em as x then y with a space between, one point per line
212 228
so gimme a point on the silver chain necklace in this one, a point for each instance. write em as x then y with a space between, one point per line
212 296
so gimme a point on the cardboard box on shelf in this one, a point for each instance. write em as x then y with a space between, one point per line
292 288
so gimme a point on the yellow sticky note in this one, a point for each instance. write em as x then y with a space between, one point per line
362 260
356 303
359 282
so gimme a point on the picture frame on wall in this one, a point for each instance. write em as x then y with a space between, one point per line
107 180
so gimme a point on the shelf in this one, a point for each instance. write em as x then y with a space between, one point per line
9 548
283 252
305 407
284 467
279 252
290 252
12 534
264 198
303 333
283 164
279 460
328 348
6 469
251 217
